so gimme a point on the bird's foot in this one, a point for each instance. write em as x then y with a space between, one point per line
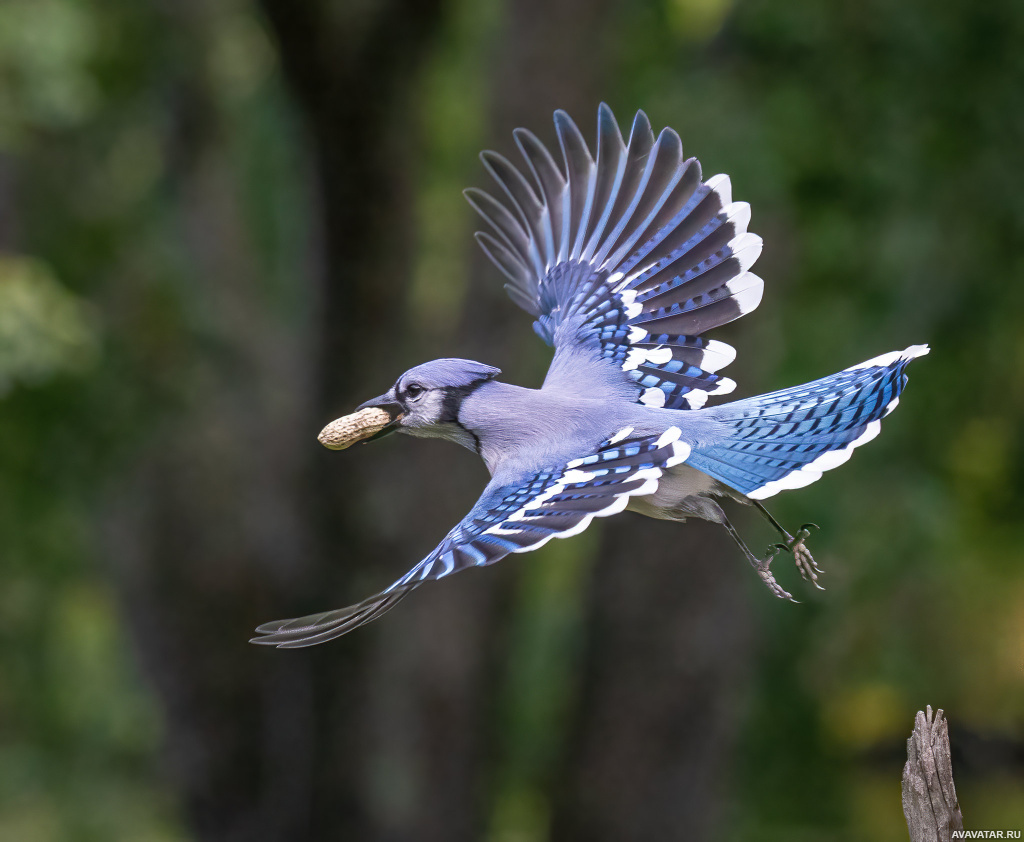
805 562
763 568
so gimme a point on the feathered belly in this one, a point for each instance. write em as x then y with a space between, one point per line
682 492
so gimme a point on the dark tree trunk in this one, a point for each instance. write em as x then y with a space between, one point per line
668 656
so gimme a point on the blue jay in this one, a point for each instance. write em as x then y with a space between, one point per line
625 261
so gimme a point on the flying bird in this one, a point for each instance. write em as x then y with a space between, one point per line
625 259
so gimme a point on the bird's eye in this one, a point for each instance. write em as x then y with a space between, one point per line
413 391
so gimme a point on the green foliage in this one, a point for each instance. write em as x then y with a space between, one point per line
44 330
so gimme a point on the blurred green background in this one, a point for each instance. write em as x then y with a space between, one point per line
222 224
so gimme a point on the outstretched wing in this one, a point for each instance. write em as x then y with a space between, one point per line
511 518
631 255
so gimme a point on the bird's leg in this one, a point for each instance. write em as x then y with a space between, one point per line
761 565
796 545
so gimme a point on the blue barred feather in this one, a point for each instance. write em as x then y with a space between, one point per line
511 518
786 439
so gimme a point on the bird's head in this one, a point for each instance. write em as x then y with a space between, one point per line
424 402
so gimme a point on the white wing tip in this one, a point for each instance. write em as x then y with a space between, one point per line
724 386
619 436
746 249
680 453
574 475
886 360
746 292
722 185
738 213
696 398
720 355
653 397
672 434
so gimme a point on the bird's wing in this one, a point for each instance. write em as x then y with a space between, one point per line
631 255
511 518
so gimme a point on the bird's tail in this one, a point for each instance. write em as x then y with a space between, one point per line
786 439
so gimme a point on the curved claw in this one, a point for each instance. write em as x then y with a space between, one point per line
763 568
807 526
766 576
779 548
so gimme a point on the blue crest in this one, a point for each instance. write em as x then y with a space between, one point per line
449 373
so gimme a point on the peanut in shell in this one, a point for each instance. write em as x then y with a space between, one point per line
346 431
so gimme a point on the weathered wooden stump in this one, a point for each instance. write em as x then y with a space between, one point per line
929 797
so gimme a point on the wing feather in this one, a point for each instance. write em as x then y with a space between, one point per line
630 255
510 518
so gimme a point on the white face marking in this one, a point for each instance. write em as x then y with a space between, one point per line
423 420
424 410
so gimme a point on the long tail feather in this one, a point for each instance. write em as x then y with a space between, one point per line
787 439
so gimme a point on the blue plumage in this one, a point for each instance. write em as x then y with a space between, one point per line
514 517
625 260
786 439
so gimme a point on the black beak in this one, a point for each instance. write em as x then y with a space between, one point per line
386 401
